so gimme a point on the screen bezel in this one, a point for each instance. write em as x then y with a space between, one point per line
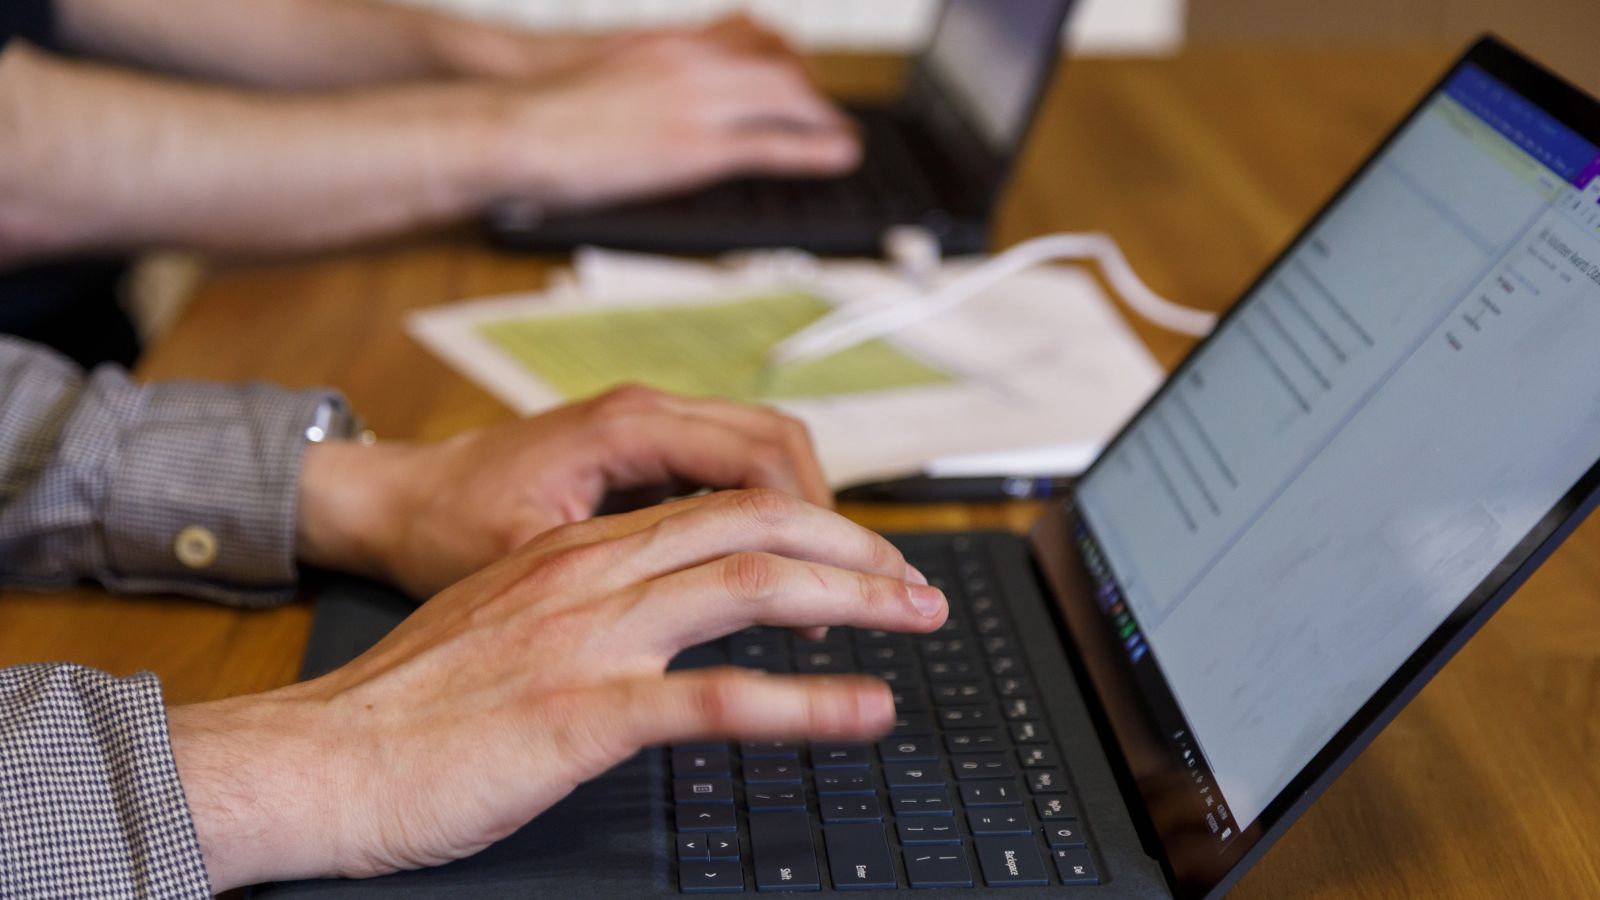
932 106
1130 737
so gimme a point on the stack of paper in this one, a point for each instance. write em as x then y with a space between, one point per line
1033 375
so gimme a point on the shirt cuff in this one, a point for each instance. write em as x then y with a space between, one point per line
90 801
201 491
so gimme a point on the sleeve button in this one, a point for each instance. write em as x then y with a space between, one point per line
196 547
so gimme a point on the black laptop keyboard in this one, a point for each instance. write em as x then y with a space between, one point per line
969 788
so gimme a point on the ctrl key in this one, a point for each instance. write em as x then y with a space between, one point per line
1075 866
711 878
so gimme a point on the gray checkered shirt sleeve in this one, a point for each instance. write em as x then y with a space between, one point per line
180 486
90 803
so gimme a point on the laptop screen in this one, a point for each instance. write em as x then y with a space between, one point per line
1401 403
989 55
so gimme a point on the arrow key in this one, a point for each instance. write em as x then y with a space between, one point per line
711 878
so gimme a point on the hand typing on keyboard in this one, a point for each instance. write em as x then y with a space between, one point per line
503 693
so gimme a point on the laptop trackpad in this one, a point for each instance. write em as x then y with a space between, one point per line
610 836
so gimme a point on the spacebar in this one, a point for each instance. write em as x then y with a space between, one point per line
780 845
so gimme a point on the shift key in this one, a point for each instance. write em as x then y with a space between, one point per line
858 857
780 847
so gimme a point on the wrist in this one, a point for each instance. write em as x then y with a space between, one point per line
256 772
351 506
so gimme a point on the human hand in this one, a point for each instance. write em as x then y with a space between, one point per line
499 696
423 516
464 47
668 111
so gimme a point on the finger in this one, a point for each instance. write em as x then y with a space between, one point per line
748 91
774 152
768 424
654 447
756 521
734 704
745 589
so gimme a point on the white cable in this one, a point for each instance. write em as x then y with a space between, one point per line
850 327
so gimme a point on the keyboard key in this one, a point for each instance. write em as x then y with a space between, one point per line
1010 861
976 740
1047 781
694 847
692 765
982 604
884 655
770 749
938 867
953 670
819 662
988 626
1038 757
701 819
845 781
777 771
711 878
1020 708
1007 688
948 648
840 756
911 724
961 693
1064 834
968 716
911 749
928 831
702 790
874 637
909 700
981 766
998 645
858 857
775 798
722 847
1075 866
990 793
923 774
998 821
920 802
1003 666
894 676
850 809
1053 809
781 849
1029 733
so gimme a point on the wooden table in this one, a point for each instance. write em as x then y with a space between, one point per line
1202 166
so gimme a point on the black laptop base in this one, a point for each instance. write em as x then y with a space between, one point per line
617 836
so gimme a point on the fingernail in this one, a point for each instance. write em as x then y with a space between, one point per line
928 600
914 575
875 704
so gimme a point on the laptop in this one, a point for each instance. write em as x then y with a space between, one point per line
1393 427
938 156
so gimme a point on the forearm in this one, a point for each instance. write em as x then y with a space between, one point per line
93 158
293 44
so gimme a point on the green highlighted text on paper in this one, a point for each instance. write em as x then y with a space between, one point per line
714 349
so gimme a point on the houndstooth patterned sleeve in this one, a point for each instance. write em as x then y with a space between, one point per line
180 486
90 802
